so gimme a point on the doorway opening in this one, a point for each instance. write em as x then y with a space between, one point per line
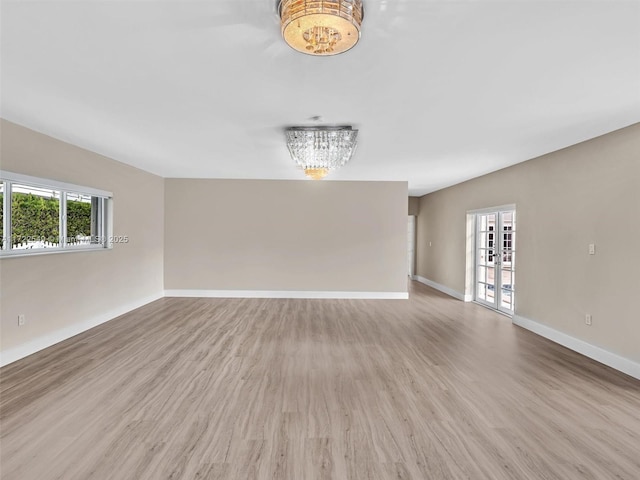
411 246
494 271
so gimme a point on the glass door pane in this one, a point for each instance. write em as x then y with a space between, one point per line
485 259
507 260
495 259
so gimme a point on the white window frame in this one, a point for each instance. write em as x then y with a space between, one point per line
106 221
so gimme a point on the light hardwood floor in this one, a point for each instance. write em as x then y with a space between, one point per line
429 388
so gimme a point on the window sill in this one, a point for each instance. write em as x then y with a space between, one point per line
51 251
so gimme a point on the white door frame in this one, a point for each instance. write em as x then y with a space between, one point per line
498 250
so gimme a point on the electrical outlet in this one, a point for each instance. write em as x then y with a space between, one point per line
21 320
592 249
587 319
429 243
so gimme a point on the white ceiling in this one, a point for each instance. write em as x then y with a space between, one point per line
442 91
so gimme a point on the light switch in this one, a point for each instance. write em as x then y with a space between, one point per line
592 249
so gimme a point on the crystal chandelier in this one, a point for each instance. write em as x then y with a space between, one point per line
321 27
317 150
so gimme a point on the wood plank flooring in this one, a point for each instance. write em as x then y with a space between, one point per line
429 388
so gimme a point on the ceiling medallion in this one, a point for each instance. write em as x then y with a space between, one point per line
320 149
321 27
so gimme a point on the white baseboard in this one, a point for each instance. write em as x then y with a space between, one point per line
598 354
286 294
444 289
44 341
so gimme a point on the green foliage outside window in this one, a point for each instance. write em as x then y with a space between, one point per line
35 217
78 220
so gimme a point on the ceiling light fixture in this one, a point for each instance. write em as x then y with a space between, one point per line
321 27
318 150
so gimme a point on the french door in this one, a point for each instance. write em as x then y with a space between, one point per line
495 260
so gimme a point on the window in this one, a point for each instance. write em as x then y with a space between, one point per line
85 219
45 216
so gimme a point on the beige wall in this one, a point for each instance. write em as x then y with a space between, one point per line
588 193
414 205
285 235
58 291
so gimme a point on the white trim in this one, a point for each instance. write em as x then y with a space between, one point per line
443 288
6 223
62 220
50 251
47 340
286 294
470 258
47 183
598 354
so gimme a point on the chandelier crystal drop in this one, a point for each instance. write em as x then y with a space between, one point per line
318 150
321 27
